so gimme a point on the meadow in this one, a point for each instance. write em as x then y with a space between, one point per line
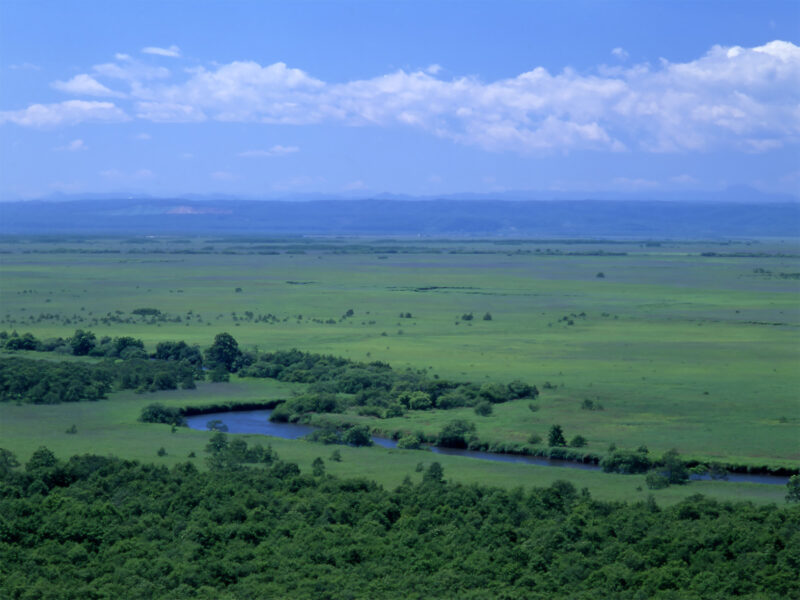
692 346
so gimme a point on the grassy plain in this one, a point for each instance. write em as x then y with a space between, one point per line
685 350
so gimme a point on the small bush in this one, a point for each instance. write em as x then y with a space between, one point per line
535 439
483 409
656 480
577 442
161 451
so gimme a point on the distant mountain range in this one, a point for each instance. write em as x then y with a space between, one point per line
502 216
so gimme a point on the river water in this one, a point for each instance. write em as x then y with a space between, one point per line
257 421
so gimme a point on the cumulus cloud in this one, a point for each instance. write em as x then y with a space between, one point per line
85 85
733 97
74 146
26 66
69 112
172 52
620 53
276 150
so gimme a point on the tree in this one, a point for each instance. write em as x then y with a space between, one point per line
8 462
434 474
216 425
456 434
578 441
42 458
483 409
674 468
358 436
793 489
218 443
224 351
318 467
556 437
82 342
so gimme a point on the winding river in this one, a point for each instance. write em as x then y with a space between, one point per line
257 421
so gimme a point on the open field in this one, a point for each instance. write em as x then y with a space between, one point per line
685 345
109 427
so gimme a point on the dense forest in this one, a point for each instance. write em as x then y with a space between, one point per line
95 527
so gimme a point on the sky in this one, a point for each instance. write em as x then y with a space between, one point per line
274 99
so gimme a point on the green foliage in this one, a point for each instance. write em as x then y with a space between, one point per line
409 442
656 480
555 437
158 413
108 528
534 439
82 342
8 462
674 468
483 409
456 434
318 467
625 462
434 474
358 435
224 353
577 442
792 489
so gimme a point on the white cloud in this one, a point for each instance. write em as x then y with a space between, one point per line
134 72
223 175
117 174
732 97
634 183
355 186
143 136
74 146
684 179
276 150
69 112
26 66
620 53
169 112
122 57
85 85
172 52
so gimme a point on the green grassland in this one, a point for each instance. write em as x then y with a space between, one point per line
685 350
109 427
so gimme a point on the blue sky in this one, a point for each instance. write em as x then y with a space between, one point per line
263 99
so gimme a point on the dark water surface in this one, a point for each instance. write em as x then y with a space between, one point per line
257 421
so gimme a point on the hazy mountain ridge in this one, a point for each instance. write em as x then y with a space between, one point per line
518 218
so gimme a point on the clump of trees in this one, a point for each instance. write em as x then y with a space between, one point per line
45 382
96 526
158 413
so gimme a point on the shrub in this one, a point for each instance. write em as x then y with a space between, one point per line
483 409
556 437
656 480
577 442
626 462
158 413
409 442
456 434
534 439
358 436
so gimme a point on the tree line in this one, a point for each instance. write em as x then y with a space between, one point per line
101 527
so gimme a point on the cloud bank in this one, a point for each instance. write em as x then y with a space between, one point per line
732 97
